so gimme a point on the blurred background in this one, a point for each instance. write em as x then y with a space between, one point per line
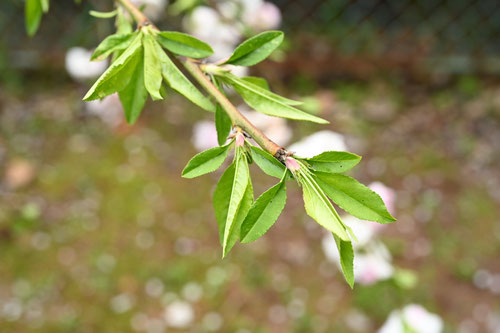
99 233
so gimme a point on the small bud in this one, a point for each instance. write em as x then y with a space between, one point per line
240 139
292 164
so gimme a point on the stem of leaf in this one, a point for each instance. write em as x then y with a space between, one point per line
193 67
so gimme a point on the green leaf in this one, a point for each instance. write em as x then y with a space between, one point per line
258 81
103 15
256 49
180 6
205 162
152 67
267 102
122 23
243 209
118 74
184 44
268 163
346 259
232 199
320 208
111 44
221 199
45 5
262 83
263 213
334 161
134 95
354 197
181 84
222 124
32 16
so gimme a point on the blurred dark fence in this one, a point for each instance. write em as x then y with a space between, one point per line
328 37
453 36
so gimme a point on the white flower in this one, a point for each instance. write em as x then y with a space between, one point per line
122 303
250 8
414 316
206 24
79 66
364 230
204 135
109 109
319 142
154 8
267 17
373 266
201 20
239 71
179 314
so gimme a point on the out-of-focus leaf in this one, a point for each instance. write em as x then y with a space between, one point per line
103 15
354 197
45 5
263 213
32 16
184 44
205 162
256 49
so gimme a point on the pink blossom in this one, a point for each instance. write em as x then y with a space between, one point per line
416 317
372 267
319 142
204 135
267 17
292 164
240 140
79 66
206 24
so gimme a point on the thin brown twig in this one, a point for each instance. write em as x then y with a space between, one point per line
193 67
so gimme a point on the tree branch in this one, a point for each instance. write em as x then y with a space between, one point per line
234 114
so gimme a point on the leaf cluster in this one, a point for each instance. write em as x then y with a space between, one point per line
142 67
144 62
242 218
